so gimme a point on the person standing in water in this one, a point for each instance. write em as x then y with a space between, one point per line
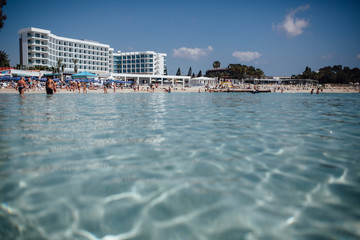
21 85
49 86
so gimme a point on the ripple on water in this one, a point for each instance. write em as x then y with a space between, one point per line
179 166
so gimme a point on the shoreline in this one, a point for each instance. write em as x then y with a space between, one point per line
286 89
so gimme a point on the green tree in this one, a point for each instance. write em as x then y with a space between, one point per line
75 61
189 72
250 72
178 73
307 73
237 71
4 59
259 73
199 74
60 66
2 15
216 64
19 67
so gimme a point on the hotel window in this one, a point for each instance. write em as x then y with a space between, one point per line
37 35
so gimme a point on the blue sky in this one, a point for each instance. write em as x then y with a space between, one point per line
280 37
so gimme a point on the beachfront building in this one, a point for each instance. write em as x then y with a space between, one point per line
41 47
146 62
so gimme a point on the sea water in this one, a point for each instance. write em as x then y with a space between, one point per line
180 166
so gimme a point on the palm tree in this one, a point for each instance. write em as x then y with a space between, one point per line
63 68
75 61
118 67
59 65
4 59
216 64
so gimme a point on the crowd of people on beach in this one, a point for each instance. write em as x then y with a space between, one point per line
51 86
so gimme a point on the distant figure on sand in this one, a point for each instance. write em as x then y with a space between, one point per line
21 86
49 86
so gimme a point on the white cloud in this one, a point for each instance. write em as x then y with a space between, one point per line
246 56
192 53
358 56
329 56
291 25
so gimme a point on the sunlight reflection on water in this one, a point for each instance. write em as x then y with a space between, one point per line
179 166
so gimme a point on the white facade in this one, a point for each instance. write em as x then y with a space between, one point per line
41 47
146 62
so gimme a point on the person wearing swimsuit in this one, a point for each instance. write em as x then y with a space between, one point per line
49 85
21 86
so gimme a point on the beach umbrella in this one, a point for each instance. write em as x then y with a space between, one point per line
85 75
15 78
5 78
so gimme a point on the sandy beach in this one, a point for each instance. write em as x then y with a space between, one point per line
278 89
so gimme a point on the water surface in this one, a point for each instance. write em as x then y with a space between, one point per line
180 166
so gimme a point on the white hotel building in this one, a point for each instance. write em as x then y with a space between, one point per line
41 47
147 62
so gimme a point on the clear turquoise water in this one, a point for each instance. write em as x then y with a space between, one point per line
180 166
